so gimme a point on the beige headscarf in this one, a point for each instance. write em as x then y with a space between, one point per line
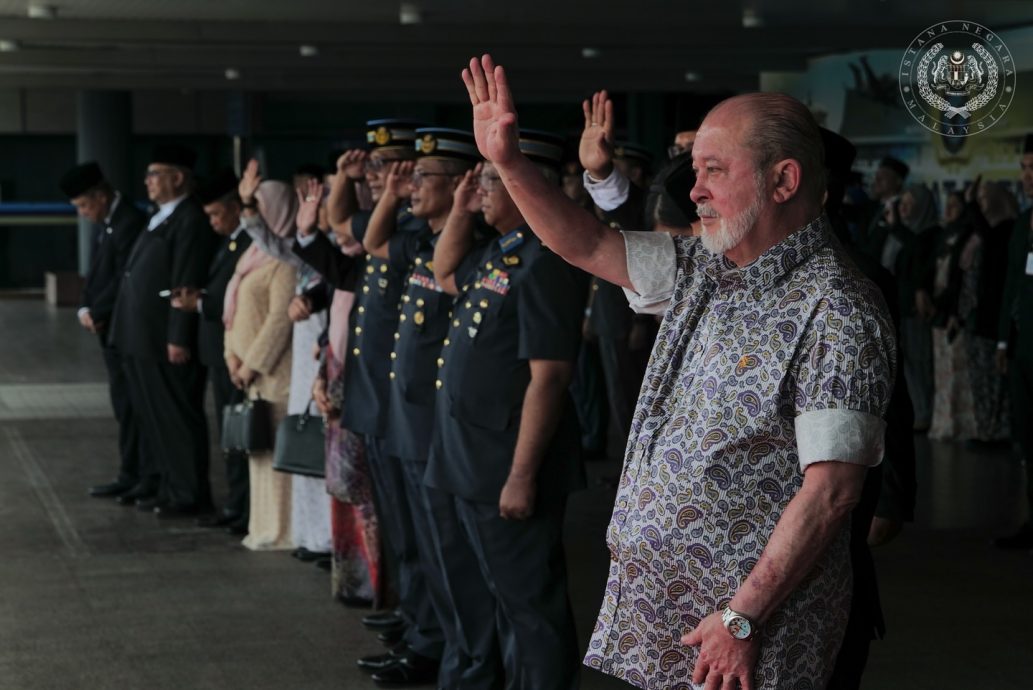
277 205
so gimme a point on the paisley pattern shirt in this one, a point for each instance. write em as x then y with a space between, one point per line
756 372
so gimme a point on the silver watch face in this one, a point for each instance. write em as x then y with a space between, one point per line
739 627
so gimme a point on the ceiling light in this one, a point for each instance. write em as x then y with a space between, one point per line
7 46
308 51
692 76
232 73
589 53
42 12
409 13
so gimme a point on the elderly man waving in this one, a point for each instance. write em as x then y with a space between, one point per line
759 415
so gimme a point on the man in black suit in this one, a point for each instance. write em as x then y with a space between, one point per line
160 343
222 206
118 225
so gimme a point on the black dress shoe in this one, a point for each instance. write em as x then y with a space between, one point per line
1023 539
324 563
110 489
142 490
412 670
306 556
391 636
221 520
383 620
238 528
378 662
172 511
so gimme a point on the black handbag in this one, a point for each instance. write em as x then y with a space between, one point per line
247 426
301 445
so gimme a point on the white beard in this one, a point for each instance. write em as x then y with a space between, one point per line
731 231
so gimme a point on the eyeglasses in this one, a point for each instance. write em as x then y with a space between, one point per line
489 183
155 173
419 175
378 164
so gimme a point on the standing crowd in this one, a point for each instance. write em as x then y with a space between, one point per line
451 308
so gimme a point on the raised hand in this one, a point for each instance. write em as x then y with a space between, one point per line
596 148
249 182
308 206
398 179
494 117
353 164
466 190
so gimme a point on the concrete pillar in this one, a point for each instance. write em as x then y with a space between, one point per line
104 132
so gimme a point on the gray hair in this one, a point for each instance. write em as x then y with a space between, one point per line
782 127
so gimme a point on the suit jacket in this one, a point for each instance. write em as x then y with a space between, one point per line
175 254
211 332
112 245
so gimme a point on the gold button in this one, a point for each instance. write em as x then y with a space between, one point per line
477 285
456 323
398 336
358 330
468 304
365 289
394 355
520 235
484 304
369 269
383 268
595 286
402 317
406 298
420 302
362 310
438 384
477 317
441 361
355 352
419 261
392 375
489 266
447 342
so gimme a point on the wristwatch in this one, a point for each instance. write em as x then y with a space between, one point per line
738 626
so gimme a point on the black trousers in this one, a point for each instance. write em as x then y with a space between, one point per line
130 450
479 659
525 568
396 521
175 427
238 492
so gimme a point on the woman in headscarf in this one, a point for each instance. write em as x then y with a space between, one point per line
983 261
310 503
258 354
953 405
913 232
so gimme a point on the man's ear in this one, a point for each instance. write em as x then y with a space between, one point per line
788 177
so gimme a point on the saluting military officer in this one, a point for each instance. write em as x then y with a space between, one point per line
506 448
373 323
443 156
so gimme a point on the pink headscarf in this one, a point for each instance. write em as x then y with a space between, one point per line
277 205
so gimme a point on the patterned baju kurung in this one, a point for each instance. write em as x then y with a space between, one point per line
756 373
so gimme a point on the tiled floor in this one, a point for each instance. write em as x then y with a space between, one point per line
96 596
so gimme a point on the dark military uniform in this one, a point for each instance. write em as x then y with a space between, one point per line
521 303
379 284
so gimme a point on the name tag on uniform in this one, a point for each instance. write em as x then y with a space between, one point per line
1029 264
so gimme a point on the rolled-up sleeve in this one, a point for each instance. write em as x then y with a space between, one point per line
653 270
844 378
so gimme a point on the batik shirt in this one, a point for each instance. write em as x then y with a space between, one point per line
756 373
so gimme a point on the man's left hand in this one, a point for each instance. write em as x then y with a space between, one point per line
723 660
517 499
